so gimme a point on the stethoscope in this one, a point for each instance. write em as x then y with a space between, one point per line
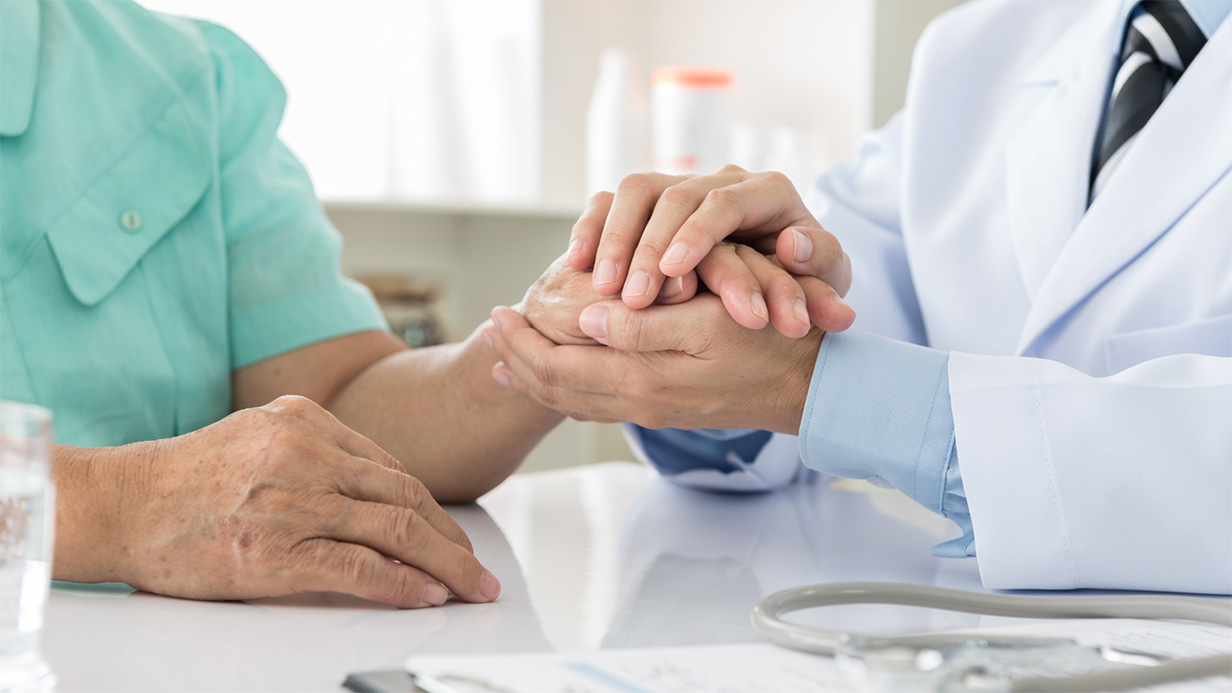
949 662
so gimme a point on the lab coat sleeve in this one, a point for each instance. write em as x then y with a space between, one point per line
1121 482
859 203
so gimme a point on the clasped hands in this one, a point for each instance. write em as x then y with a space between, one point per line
703 266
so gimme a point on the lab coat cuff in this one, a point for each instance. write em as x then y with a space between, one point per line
879 408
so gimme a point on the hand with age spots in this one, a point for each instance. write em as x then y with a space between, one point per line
283 499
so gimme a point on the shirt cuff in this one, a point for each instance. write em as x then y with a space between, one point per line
879 409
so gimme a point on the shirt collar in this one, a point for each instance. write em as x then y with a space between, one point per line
19 53
1207 14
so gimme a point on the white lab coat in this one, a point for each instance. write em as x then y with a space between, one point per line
1090 375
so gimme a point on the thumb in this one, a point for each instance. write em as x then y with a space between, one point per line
656 328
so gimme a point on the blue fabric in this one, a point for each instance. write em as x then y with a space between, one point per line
672 451
879 409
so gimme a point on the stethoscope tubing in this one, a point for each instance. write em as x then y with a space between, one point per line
767 620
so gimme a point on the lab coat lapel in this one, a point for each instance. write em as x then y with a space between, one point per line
1048 158
1179 154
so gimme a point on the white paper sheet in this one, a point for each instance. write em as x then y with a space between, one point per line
765 668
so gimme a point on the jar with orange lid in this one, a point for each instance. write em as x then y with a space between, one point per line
691 119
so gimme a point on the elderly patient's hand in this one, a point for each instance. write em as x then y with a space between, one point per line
554 302
283 499
687 366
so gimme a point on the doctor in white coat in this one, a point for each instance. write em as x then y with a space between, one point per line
1069 403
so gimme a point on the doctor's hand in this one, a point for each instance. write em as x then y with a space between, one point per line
553 303
278 500
658 226
686 366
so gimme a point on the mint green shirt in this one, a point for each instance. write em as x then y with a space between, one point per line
155 234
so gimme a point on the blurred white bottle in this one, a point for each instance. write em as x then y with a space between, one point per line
616 141
691 112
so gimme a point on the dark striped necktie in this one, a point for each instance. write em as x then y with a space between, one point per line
1161 41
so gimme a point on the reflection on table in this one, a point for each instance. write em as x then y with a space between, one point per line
601 556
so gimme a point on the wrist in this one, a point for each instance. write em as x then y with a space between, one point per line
96 495
475 363
795 382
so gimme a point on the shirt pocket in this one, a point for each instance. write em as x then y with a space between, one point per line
81 305
1210 337
104 233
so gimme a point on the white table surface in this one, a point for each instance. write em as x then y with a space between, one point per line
595 557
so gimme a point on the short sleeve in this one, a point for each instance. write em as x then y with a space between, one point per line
286 288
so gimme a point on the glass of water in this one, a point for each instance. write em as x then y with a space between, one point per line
27 522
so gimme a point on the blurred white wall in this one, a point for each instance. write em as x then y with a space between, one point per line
416 117
485 100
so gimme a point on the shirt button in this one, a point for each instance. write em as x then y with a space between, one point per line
131 221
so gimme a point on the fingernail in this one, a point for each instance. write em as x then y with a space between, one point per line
435 594
804 246
489 586
759 307
486 333
800 311
606 272
637 285
673 287
593 321
676 254
575 245
838 301
500 376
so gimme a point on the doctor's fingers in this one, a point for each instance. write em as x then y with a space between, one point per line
826 308
660 333
584 238
747 280
588 383
406 536
750 206
813 252
613 225
677 289
672 209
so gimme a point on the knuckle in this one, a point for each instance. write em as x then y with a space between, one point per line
634 185
294 405
417 494
831 256
732 168
649 249
679 195
600 199
778 179
355 570
404 531
723 197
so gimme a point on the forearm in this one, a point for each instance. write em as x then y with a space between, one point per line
438 411
92 485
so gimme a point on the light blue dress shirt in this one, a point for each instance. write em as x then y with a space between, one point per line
877 408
